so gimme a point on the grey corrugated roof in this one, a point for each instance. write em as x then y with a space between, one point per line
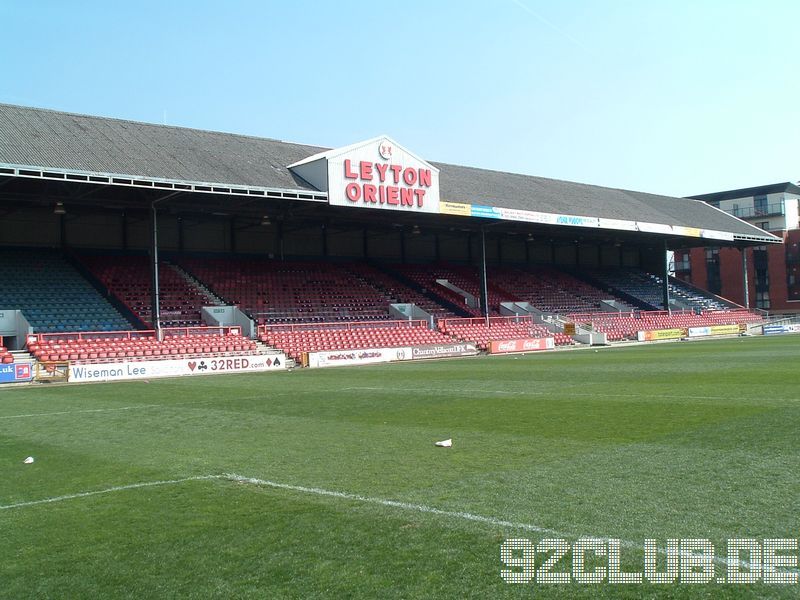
58 140
511 190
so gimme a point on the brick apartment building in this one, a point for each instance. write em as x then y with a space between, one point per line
773 271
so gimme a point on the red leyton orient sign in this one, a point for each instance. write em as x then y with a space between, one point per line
376 174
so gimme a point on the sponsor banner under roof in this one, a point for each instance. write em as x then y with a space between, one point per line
381 174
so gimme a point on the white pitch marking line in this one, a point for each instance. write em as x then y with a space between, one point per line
87 410
343 495
443 513
548 392
392 503
118 488
97 410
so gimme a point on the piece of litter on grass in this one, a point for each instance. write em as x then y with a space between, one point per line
28 460
445 443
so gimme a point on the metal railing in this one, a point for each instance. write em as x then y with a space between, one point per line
134 335
489 321
745 212
341 326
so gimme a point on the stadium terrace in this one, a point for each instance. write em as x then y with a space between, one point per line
140 249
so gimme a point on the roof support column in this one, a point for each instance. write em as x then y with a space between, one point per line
279 240
665 288
484 282
124 230
155 298
62 230
745 282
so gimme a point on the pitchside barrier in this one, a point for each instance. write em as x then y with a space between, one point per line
778 329
191 351
524 345
366 356
176 368
662 334
16 372
362 356
444 350
717 330
690 332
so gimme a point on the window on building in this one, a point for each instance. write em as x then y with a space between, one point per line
681 258
762 300
760 205
760 257
763 225
762 279
792 272
714 279
761 268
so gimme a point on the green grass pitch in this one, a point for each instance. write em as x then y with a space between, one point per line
677 440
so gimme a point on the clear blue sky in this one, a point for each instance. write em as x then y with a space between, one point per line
675 97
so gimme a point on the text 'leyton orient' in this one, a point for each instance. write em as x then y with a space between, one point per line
407 188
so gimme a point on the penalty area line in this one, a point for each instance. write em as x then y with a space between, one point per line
85 410
117 488
408 506
465 516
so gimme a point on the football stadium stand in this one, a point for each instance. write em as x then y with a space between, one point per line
297 339
316 244
52 294
550 290
624 326
647 289
128 278
397 290
291 291
463 277
104 347
482 331
5 356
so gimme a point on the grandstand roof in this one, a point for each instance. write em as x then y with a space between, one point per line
51 140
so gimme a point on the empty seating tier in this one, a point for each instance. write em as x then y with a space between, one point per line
462 277
499 328
396 290
193 342
297 339
273 291
52 294
550 290
649 289
129 279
